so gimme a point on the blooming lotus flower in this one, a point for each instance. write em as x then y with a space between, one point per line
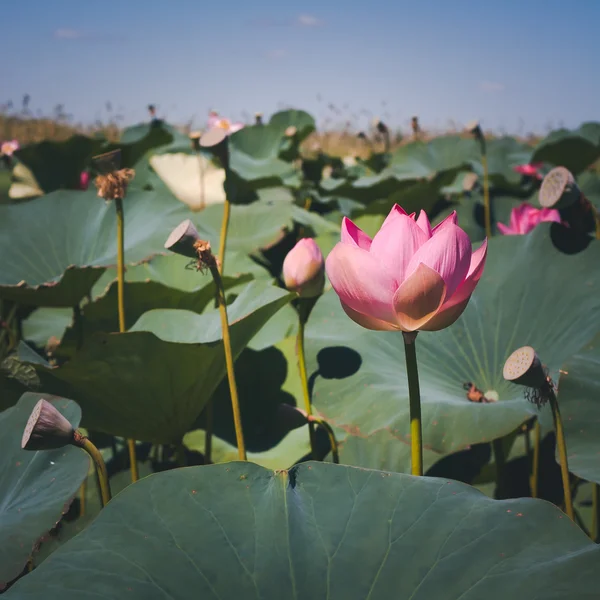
214 120
9 147
525 217
303 269
531 170
409 277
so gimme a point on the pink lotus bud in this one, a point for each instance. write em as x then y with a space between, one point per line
84 180
410 276
303 269
524 218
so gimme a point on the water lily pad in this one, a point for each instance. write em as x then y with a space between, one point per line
152 383
527 289
578 393
312 532
37 487
574 149
56 247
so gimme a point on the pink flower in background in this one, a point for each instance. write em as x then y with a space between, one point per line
9 147
409 277
214 120
84 180
524 218
304 269
531 170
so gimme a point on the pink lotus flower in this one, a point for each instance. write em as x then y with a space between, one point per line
8 148
524 218
409 277
531 170
214 120
84 180
303 269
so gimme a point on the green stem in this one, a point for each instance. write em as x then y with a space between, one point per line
486 193
88 446
596 512
237 416
414 397
304 381
82 497
209 411
562 452
121 307
535 468
500 460
335 453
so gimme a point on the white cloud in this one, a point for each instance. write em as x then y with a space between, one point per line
308 21
68 34
491 86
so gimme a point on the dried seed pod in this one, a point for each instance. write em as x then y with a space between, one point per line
46 428
524 367
182 239
559 189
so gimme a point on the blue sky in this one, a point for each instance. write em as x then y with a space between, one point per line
518 65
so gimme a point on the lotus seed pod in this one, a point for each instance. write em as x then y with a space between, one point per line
258 118
182 239
195 139
215 140
524 367
46 428
291 131
474 128
559 189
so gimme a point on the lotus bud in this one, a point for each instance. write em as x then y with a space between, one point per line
182 239
84 180
524 367
304 269
559 189
215 140
46 428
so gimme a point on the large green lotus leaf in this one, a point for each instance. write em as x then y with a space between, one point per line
526 296
500 157
35 487
55 248
292 447
301 120
254 158
193 179
425 160
575 149
318 531
579 401
164 282
152 382
58 165
589 184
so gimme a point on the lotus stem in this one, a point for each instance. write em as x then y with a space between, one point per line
335 453
304 381
487 210
414 397
535 469
237 416
83 442
596 512
121 304
209 408
597 221
500 460
562 452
